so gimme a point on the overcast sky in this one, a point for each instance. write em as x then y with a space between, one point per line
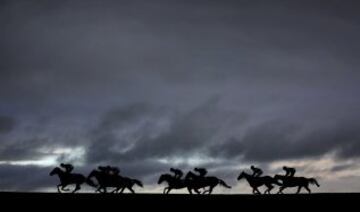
147 85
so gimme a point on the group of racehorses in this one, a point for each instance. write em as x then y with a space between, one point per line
104 181
192 182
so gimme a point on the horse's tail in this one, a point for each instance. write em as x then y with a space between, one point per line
137 182
90 182
314 181
221 182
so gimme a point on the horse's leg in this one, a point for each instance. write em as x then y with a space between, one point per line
254 191
58 187
269 187
281 190
197 191
205 191
76 188
132 191
98 189
168 191
164 192
299 189
103 189
63 187
189 190
210 190
122 190
118 190
307 188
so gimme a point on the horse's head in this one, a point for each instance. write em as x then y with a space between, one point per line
56 170
189 175
163 177
242 175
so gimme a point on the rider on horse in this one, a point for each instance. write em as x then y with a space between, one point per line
290 172
177 173
256 171
202 171
109 170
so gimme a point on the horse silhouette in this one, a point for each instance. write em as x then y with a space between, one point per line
69 179
300 182
173 183
113 181
126 182
195 182
256 182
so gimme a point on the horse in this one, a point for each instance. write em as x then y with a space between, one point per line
300 182
173 183
196 182
118 182
69 179
125 182
104 181
256 182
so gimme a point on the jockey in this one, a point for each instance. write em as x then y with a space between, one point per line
256 171
67 166
202 171
115 170
105 169
290 172
109 170
177 173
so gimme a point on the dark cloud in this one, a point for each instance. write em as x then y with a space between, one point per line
279 140
36 139
138 132
22 149
7 124
20 178
342 167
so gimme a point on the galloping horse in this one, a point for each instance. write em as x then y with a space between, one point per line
300 182
103 181
256 182
173 183
118 182
128 183
196 182
69 179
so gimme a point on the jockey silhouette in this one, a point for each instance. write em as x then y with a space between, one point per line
256 171
67 166
109 170
202 171
177 173
290 172
115 170
105 169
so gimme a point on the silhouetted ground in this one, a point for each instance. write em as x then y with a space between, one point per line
173 202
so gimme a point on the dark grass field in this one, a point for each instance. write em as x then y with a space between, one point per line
288 202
